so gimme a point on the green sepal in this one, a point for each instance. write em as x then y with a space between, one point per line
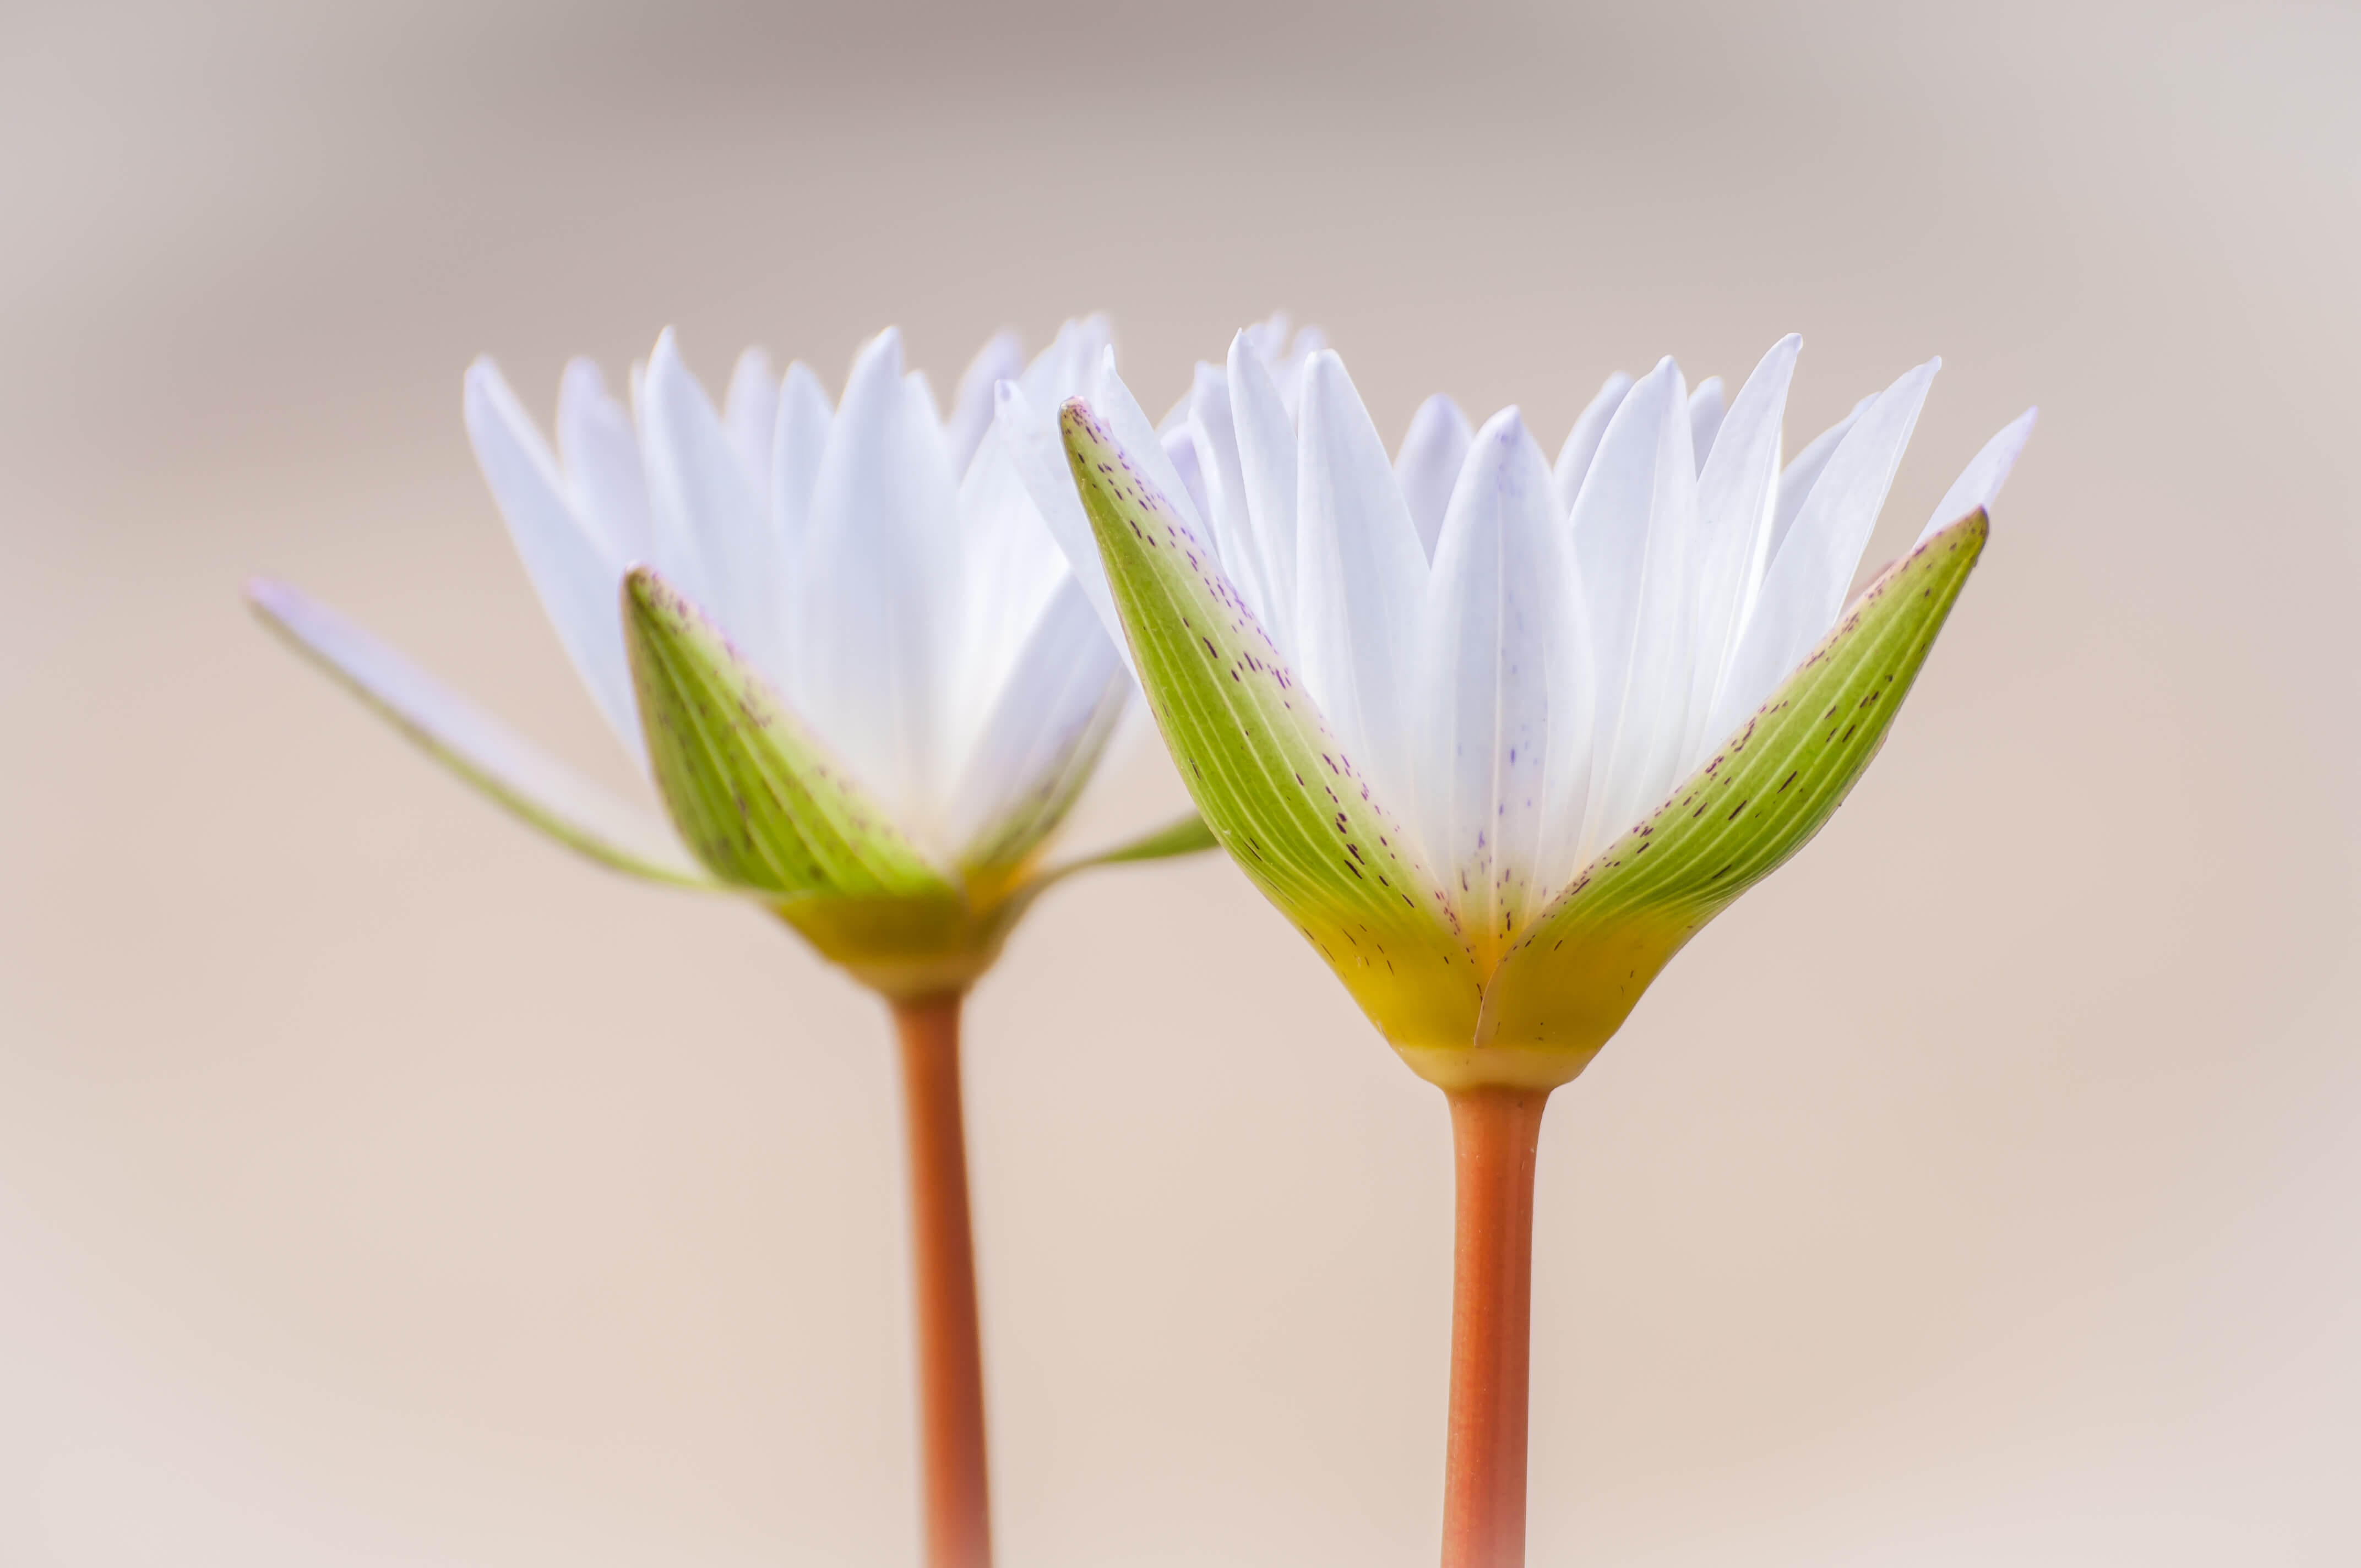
1570 982
1267 777
1186 835
518 775
769 811
753 792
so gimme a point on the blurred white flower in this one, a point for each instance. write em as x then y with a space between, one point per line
877 561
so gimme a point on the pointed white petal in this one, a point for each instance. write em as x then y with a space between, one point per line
1635 533
1029 437
1581 446
1268 337
710 516
1066 368
1181 450
1058 697
1286 371
874 630
920 392
605 479
1706 412
577 582
1736 493
1014 568
1806 586
749 412
1266 462
1498 682
1429 464
1002 359
1979 484
1213 433
1120 411
1361 574
1803 471
796 449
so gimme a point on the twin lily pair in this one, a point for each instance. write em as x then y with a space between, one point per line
1497 734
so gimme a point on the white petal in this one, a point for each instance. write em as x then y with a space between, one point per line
712 531
1581 446
1803 471
1051 700
1037 453
1286 371
1127 423
1737 490
1065 368
1429 464
1979 484
749 412
1807 584
1362 576
1213 434
1498 683
1706 412
1180 451
1268 337
604 477
1002 359
579 585
877 625
796 450
1266 462
920 392
1014 567
1634 532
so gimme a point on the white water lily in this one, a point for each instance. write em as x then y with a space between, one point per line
1499 736
1510 662
874 561
933 685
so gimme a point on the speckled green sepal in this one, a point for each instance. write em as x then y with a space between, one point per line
1267 777
1567 986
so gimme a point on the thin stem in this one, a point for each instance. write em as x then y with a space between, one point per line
1494 1137
950 1359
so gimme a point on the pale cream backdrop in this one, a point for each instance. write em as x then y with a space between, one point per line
380 1185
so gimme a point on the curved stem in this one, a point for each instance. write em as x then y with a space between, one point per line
951 1359
1494 1137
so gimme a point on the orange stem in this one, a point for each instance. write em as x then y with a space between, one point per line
957 1501
1495 1137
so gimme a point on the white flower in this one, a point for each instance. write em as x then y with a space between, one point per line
1520 660
877 561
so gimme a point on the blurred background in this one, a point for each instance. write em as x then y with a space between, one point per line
380 1185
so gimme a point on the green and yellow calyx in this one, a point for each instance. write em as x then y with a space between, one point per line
768 812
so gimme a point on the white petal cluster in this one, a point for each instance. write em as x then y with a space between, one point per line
881 563
1522 657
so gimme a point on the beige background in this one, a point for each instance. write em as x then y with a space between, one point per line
380 1185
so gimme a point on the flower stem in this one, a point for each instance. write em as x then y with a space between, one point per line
1495 1136
957 1507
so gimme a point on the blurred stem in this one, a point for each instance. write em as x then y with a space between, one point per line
958 1510
1494 1137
